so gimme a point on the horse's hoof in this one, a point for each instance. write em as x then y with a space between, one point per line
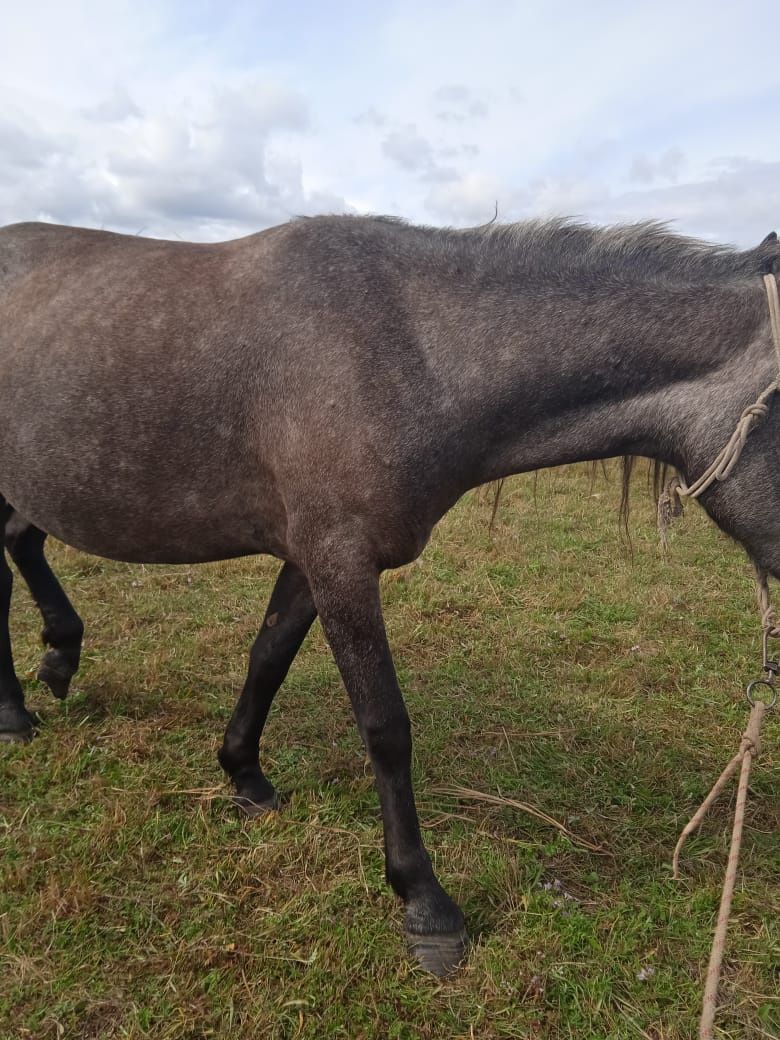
56 672
441 954
256 808
17 724
16 738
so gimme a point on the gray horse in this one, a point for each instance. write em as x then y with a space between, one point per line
325 391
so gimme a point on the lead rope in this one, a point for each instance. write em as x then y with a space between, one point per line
749 748
669 506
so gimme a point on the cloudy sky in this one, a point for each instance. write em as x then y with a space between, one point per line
207 120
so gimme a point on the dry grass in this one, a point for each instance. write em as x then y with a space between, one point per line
589 701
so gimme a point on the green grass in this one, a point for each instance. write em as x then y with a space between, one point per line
541 663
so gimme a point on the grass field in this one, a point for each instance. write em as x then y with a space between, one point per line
541 663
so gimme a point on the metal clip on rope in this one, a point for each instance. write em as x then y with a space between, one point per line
771 630
772 669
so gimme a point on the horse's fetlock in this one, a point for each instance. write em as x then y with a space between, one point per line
66 637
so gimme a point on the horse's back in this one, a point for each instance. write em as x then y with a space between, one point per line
26 246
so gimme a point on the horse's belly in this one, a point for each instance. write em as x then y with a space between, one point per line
177 524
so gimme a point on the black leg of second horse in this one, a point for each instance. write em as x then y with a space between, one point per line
16 722
290 614
63 629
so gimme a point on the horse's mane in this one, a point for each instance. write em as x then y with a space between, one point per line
548 253
635 252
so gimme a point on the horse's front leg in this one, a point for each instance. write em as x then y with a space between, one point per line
347 599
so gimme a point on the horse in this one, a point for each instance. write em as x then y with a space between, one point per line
324 391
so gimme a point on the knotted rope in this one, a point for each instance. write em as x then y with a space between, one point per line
750 745
769 621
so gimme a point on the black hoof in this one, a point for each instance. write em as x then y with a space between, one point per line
256 808
441 954
16 738
56 672
17 724
255 796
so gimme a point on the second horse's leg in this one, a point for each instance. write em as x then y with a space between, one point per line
290 614
63 629
16 722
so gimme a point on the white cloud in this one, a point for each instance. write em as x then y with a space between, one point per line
115 108
645 169
370 117
408 148
738 202
459 104
203 165
23 148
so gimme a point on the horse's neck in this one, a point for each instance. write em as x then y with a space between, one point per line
556 379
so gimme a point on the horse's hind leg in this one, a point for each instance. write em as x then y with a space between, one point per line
290 614
63 629
16 722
